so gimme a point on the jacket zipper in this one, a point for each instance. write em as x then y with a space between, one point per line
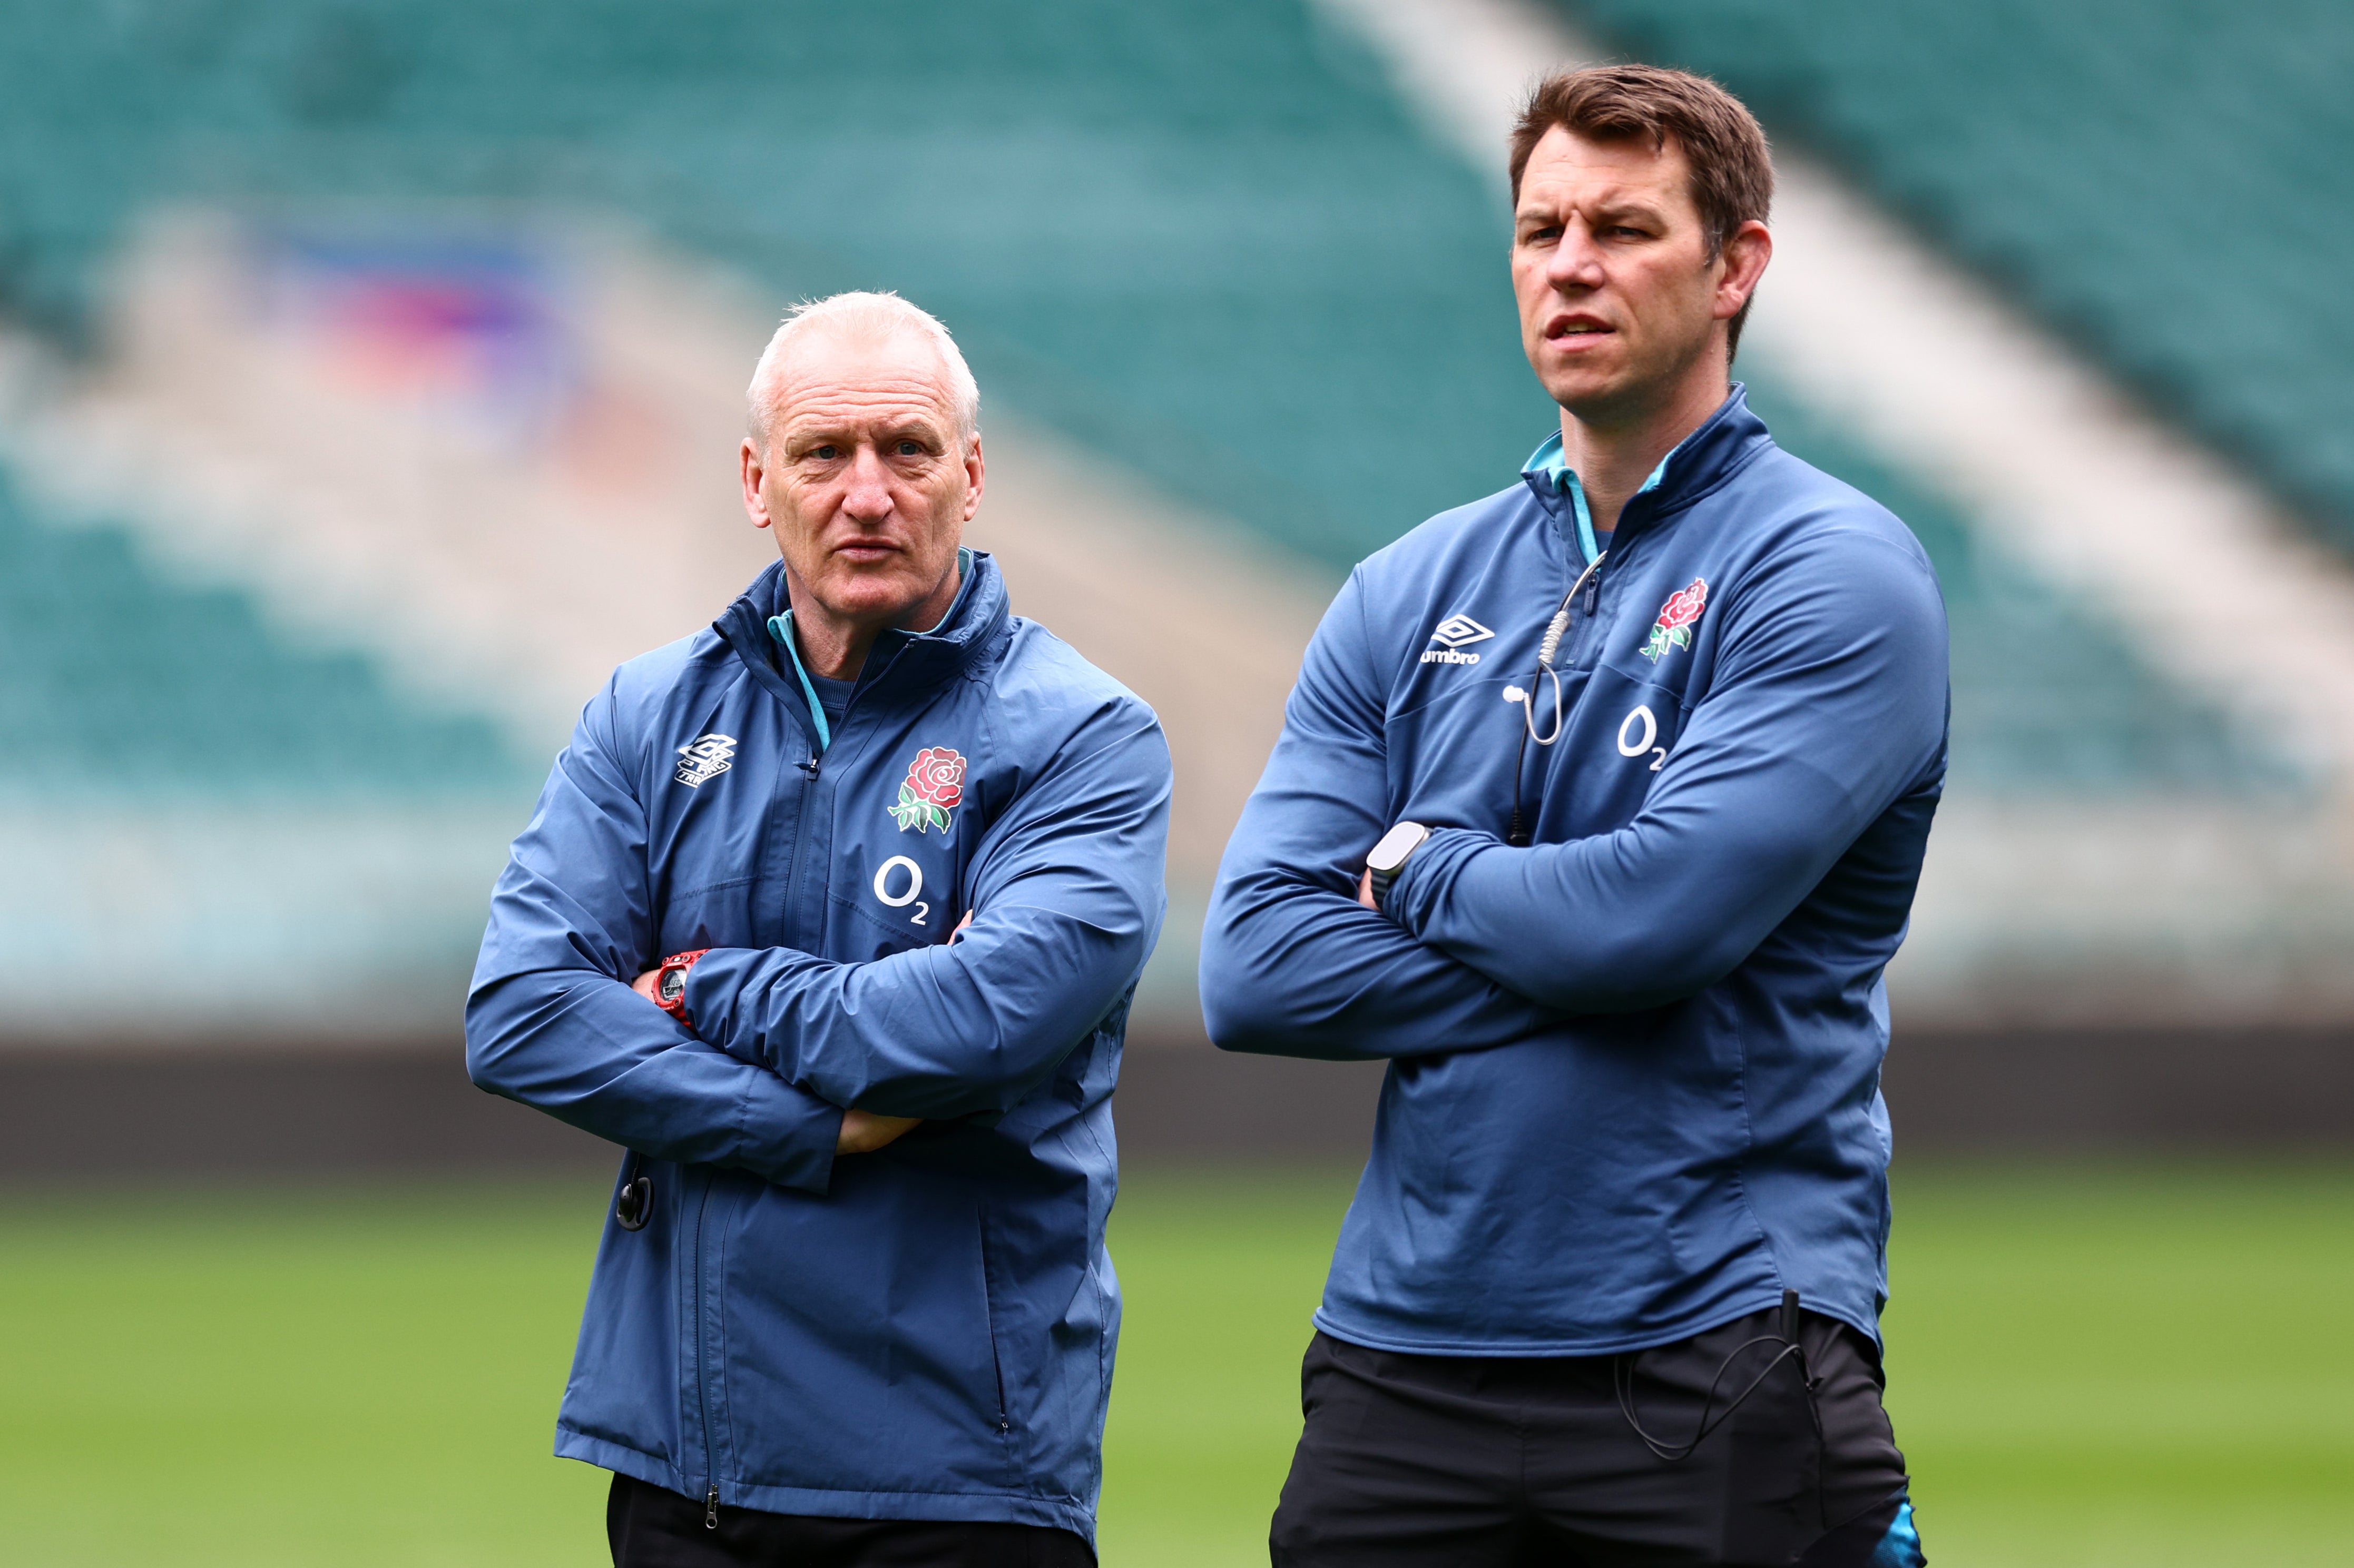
989 1321
810 770
1583 653
794 934
703 1371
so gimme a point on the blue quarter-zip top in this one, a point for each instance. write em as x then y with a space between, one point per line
1635 1081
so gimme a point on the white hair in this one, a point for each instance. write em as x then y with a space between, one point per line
873 317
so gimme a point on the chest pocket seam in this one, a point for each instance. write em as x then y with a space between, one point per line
703 889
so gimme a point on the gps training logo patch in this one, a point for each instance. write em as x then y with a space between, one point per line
934 787
1674 629
706 758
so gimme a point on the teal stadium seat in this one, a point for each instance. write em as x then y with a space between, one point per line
122 683
1208 238
2168 180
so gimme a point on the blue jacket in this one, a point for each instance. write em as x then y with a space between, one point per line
924 1332
1634 1090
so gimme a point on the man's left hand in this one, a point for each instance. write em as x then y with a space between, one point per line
864 1132
1366 890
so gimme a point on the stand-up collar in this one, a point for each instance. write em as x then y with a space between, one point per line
910 663
1696 465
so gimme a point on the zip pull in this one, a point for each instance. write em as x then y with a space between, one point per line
711 1507
1594 590
809 767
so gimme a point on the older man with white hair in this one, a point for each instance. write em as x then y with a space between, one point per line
830 914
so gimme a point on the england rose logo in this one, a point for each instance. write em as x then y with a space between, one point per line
934 786
1674 629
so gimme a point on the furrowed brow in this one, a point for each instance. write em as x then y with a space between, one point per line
848 432
1628 209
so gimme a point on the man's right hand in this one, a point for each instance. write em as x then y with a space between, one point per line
864 1132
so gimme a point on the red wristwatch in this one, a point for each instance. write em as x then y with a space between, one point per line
670 982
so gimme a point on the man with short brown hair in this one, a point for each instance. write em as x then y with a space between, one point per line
1598 811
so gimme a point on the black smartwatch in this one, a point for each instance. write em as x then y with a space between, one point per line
1389 856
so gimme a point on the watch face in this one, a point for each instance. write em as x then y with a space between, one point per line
1397 844
672 984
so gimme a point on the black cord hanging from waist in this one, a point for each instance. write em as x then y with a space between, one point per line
1622 1382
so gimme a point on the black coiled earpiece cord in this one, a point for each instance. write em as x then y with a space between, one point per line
1622 1381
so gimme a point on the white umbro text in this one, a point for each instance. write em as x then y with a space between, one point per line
1452 633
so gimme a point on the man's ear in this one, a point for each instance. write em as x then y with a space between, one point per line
756 505
976 473
1742 263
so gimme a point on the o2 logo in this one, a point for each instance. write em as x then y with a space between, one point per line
1637 731
883 879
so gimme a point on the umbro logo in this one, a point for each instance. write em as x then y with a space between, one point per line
706 758
1452 633
1457 630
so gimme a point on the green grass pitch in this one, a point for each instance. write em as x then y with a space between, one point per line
2112 1366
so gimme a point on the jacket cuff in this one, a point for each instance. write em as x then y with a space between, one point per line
789 1136
715 993
1422 885
710 991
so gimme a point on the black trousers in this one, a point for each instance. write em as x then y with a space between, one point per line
1517 1462
653 1527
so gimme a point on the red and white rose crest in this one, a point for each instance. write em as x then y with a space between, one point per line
1674 629
934 786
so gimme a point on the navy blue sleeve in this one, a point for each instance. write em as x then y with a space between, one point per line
551 1020
1066 893
1829 703
1293 965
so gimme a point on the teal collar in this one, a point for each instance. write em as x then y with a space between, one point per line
1547 468
781 627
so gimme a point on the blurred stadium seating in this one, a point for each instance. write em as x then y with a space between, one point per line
2160 178
125 684
2112 727
1150 222
1239 314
